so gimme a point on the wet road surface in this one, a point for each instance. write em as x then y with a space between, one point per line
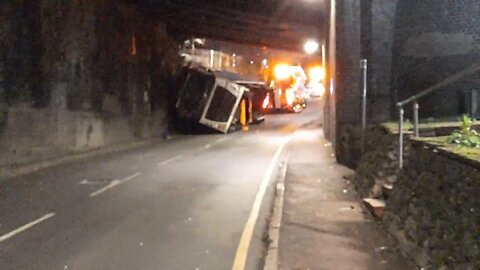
185 203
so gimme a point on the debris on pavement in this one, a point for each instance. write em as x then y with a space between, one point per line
331 215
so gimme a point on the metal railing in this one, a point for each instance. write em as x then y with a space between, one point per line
363 66
414 100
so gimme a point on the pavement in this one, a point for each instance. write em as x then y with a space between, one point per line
195 202
324 226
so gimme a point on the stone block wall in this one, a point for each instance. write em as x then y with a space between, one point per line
377 28
358 30
329 97
410 46
434 39
77 75
433 210
342 105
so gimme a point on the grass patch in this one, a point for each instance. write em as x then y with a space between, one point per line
442 142
408 126
392 127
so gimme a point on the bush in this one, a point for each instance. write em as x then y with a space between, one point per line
465 136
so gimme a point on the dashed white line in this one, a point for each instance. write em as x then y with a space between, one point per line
83 182
25 227
208 146
220 140
169 160
113 184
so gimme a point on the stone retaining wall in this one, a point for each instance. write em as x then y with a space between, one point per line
77 75
434 209
378 165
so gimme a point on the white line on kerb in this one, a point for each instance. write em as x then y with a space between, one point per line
169 160
25 227
242 249
113 184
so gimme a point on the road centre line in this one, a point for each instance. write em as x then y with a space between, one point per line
220 140
208 145
26 227
243 247
113 184
169 160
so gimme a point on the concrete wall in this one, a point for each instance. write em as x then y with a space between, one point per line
88 74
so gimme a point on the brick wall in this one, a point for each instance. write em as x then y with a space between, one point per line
91 73
329 98
19 49
433 40
378 20
410 45
342 103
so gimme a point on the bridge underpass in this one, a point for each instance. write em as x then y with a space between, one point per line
89 179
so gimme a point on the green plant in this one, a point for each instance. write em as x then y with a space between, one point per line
466 135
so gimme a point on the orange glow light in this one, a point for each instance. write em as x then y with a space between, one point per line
316 74
282 72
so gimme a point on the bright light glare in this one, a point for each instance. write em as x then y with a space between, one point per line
290 96
311 46
316 74
282 72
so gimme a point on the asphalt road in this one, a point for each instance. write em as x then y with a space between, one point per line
185 203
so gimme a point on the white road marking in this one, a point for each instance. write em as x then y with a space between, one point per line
83 182
88 182
169 160
25 227
243 247
113 184
220 140
207 146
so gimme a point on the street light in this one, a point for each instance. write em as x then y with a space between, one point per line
310 46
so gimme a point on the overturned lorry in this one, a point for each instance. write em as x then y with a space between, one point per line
206 100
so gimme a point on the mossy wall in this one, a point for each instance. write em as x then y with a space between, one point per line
435 207
378 164
68 68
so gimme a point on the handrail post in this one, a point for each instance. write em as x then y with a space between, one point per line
363 65
400 138
415 119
